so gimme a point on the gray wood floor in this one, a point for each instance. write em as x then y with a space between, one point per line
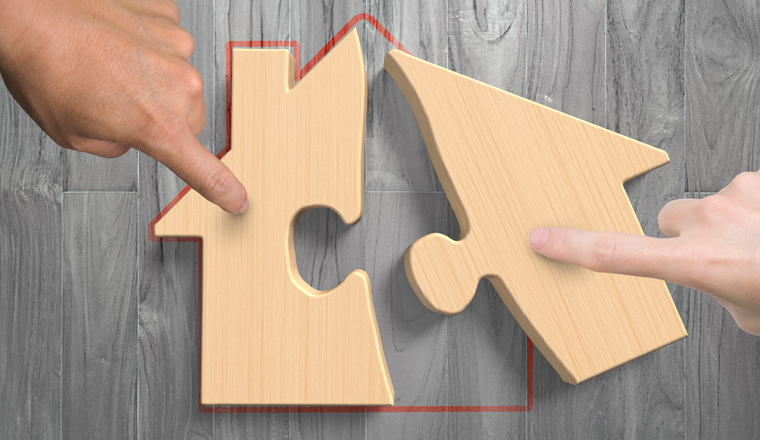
98 325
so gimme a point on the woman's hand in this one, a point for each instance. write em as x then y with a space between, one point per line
713 246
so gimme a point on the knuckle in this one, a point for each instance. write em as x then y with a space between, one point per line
186 43
172 12
662 221
603 253
666 210
199 123
157 127
744 180
193 81
714 208
217 182
671 205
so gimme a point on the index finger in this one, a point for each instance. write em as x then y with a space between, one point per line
612 252
204 172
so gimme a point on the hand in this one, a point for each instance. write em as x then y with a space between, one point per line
103 76
713 246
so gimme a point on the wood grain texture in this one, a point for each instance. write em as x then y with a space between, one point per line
99 315
168 325
396 156
566 66
30 277
720 360
168 297
722 377
721 363
414 338
565 410
327 251
645 398
168 337
486 361
565 57
581 332
722 82
313 25
243 20
486 41
87 172
295 148
168 322
242 426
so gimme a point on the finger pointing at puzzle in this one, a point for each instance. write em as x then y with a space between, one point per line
104 77
713 246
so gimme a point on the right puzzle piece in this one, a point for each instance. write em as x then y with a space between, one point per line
509 165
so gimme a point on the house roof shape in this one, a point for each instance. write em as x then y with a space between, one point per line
509 165
267 336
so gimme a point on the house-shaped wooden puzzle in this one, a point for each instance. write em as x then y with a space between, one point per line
509 165
267 336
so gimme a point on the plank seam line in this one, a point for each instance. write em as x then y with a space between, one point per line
105 192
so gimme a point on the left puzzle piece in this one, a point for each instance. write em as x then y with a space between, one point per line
268 338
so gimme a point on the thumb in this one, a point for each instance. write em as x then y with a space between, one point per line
613 252
204 172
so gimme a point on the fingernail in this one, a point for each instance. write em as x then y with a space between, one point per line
244 208
538 237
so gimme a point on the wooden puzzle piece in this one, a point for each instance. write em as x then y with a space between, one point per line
267 336
509 165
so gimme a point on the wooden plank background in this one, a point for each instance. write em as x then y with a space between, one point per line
99 326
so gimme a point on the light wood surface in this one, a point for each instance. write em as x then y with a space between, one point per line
509 165
487 41
313 24
267 336
243 20
400 209
566 64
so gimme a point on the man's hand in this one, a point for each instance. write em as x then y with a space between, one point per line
103 76
713 246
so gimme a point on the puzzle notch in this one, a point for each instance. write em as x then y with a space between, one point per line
267 336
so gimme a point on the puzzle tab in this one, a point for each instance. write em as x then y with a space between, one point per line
509 165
